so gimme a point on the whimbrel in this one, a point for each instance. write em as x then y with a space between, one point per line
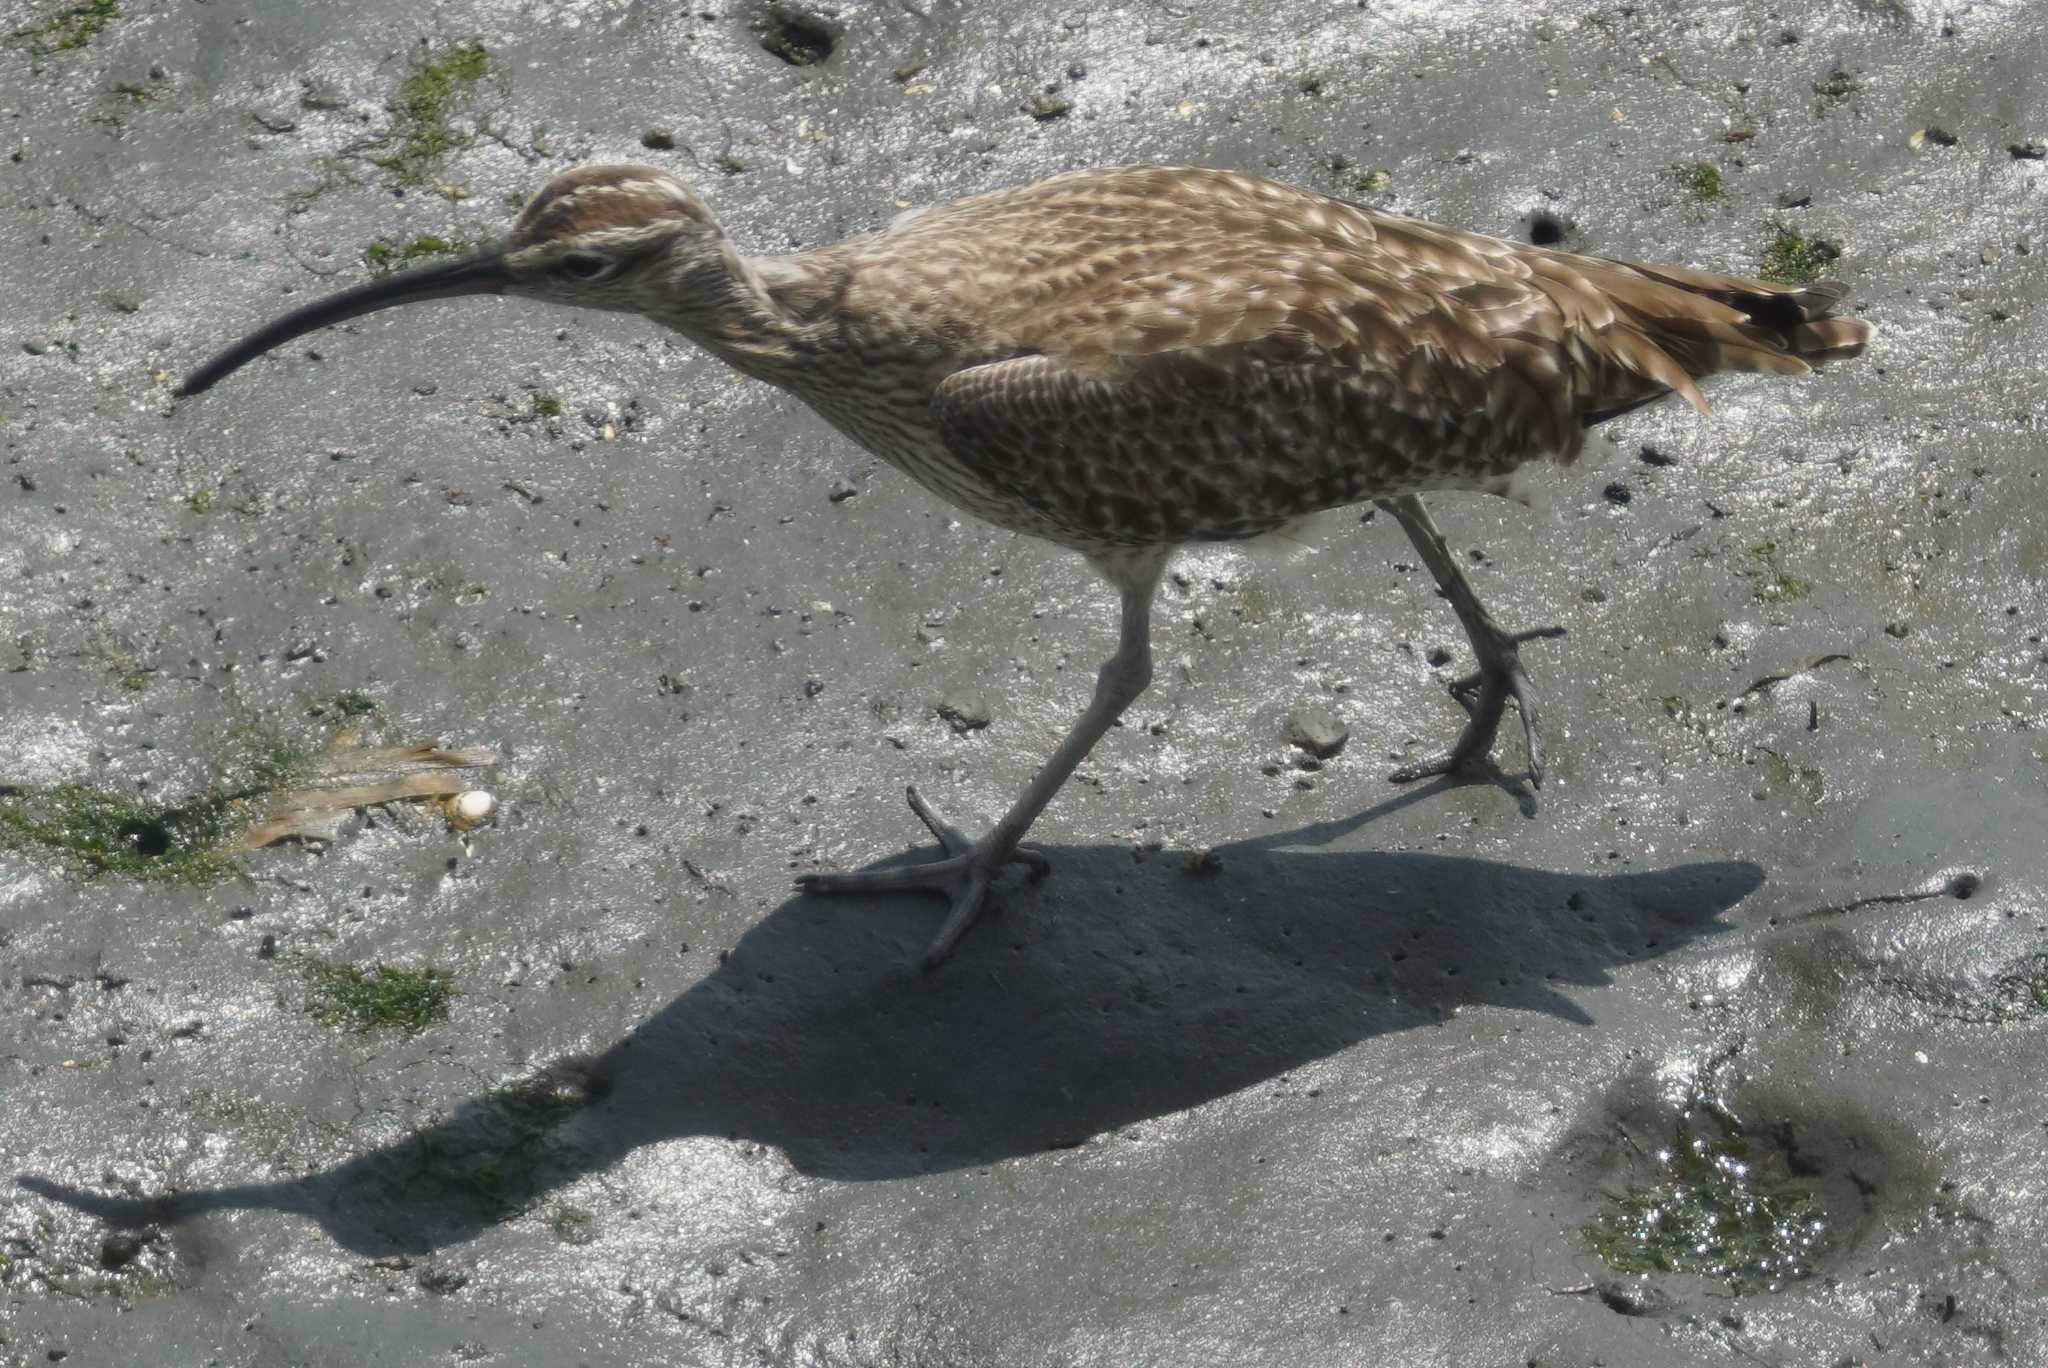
1125 361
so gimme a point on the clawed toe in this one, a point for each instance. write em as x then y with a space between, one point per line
1485 694
961 876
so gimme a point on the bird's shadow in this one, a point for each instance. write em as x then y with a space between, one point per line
1125 988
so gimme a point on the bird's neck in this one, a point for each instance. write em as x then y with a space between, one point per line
749 312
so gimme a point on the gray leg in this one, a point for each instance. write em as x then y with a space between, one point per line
1500 675
963 873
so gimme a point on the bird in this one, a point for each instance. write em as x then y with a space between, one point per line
1126 361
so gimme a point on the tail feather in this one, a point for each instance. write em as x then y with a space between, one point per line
1830 339
1674 325
1793 320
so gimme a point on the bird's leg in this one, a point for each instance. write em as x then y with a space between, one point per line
962 874
1500 677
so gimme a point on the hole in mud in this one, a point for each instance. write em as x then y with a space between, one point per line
1547 229
798 38
150 840
1964 886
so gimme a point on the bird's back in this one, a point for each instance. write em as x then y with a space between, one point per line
1161 353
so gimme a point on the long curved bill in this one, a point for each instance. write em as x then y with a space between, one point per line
483 273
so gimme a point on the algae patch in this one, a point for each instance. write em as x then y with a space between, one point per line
380 996
1720 1205
572 1225
1255 603
192 840
1792 258
354 703
1703 179
423 132
69 29
95 832
492 1157
2023 990
1768 580
385 257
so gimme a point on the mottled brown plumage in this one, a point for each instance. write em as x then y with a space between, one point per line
1127 360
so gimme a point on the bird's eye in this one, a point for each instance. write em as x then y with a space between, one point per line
583 265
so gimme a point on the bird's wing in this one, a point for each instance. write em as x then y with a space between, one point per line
1174 339
1459 321
1104 268
1187 451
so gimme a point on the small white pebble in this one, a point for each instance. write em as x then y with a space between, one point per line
471 808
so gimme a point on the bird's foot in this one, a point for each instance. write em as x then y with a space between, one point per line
961 876
1485 694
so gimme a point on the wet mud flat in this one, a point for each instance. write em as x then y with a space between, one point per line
1725 1045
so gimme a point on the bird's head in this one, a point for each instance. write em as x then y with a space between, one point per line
595 237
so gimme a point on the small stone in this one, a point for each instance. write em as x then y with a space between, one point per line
119 1250
1797 198
471 808
658 139
1046 108
1617 494
442 1280
1438 656
1631 1299
1653 457
1898 630
2027 151
1317 730
965 712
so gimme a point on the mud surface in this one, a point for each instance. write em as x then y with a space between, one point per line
1284 1065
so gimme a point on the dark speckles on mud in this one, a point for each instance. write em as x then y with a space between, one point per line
1836 86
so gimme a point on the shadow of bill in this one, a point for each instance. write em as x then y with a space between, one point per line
1126 988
